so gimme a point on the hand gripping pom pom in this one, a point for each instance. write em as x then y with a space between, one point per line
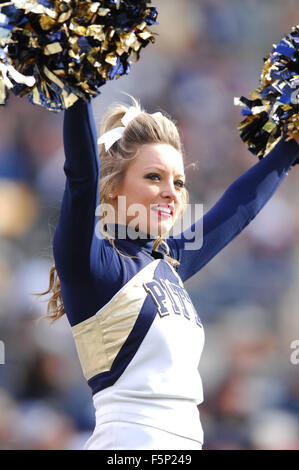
272 110
56 51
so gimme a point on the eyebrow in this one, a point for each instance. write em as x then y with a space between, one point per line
162 170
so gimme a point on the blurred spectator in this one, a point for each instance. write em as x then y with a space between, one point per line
205 54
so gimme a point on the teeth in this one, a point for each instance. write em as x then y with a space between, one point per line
164 209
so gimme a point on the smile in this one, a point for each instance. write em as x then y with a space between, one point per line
164 212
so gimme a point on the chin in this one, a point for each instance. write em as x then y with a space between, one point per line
161 229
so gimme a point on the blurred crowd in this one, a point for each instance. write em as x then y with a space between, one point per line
206 52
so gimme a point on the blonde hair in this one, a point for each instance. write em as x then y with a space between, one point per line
144 129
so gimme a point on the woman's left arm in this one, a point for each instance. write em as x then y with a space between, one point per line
240 203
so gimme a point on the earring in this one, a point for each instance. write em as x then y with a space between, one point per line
110 195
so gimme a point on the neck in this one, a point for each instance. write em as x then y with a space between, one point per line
125 232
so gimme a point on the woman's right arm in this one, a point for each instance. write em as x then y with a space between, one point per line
74 231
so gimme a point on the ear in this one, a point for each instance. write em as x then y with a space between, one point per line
113 197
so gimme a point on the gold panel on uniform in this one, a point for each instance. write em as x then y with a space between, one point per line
99 338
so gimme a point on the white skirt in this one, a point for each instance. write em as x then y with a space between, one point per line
121 435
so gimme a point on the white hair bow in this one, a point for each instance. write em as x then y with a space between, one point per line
110 137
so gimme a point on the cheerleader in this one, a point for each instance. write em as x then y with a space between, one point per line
138 336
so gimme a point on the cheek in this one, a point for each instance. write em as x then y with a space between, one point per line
145 193
180 209
136 192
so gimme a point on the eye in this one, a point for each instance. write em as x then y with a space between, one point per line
155 177
152 176
180 183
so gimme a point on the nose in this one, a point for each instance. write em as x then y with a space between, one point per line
170 192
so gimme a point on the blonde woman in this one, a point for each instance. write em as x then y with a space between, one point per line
138 336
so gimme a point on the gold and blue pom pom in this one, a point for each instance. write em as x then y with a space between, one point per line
56 51
272 110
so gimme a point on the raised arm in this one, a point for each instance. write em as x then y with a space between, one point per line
74 232
240 203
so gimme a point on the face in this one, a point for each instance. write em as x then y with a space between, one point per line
154 181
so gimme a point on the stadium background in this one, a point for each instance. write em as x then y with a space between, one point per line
206 53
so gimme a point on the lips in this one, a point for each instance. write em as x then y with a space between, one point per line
165 209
